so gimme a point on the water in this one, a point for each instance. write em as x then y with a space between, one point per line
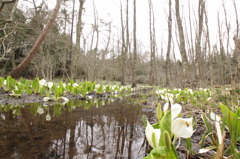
79 130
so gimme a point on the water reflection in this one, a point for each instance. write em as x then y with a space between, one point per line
76 130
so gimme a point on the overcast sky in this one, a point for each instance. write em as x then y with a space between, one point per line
109 10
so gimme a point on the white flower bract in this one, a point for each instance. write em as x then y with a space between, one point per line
150 132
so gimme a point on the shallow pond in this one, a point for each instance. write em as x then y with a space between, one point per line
77 130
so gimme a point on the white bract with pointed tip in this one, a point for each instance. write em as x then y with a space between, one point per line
152 135
175 109
214 117
182 127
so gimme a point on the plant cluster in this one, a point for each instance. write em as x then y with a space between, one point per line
221 138
163 135
56 90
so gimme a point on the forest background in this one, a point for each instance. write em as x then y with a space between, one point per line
178 43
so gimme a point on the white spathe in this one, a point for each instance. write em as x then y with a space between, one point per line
175 109
150 131
50 84
214 117
182 127
42 82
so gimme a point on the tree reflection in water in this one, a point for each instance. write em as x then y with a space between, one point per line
111 131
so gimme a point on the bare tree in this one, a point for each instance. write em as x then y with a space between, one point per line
123 54
237 45
69 60
152 44
134 73
201 7
169 42
32 53
210 57
79 25
237 52
181 37
222 60
228 59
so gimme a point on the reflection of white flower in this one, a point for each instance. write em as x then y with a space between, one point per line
103 102
46 99
48 117
40 110
175 109
182 127
45 105
152 135
64 99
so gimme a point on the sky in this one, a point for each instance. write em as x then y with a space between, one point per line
109 10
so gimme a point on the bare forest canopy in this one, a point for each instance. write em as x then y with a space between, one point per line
74 48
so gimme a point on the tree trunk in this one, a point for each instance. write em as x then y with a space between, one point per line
201 7
32 53
79 26
237 55
210 76
127 46
69 59
222 61
181 38
228 59
152 80
237 45
134 73
169 43
123 63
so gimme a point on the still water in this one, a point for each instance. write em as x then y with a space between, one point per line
89 130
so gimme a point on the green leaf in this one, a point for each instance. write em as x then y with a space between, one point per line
159 152
6 108
36 85
10 83
165 125
1 81
206 122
